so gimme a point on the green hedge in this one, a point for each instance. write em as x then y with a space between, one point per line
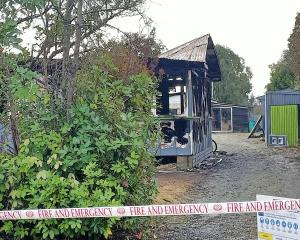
96 156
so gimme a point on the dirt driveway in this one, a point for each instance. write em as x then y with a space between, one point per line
251 168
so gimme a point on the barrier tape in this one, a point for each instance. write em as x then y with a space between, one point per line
154 210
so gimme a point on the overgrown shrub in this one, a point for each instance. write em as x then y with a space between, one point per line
96 157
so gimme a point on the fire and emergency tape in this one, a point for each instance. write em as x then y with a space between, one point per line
154 210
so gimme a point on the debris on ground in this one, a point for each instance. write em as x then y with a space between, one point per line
212 161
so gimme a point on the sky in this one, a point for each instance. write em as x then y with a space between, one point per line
257 30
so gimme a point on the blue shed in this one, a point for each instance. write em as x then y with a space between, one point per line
281 117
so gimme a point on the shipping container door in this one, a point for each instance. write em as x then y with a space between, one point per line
284 121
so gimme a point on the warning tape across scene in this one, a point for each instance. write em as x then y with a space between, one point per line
154 210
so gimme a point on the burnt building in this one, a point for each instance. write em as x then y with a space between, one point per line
186 74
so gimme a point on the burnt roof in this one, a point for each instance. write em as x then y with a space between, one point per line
194 51
199 50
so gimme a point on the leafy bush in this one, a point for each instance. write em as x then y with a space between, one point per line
96 157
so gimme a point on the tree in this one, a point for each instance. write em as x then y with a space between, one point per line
252 100
236 76
9 69
282 76
96 157
66 28
133 52
144 46
294 49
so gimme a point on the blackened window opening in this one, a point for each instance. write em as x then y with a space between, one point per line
173 96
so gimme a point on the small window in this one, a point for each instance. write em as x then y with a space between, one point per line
172 99
177 100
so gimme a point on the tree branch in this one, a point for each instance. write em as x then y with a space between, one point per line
32 17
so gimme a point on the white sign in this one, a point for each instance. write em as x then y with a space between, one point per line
279 225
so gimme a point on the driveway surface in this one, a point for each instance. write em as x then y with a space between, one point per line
249 168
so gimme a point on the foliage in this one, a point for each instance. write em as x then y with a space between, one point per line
68 28
252 100
281 75
14 76
293 57
236 76
8 35
9 71
96 154
141 45
96 157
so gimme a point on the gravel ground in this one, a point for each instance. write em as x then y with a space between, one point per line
250 168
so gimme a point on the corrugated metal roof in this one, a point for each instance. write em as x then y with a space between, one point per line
285 91
194 51
283 99
217 104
